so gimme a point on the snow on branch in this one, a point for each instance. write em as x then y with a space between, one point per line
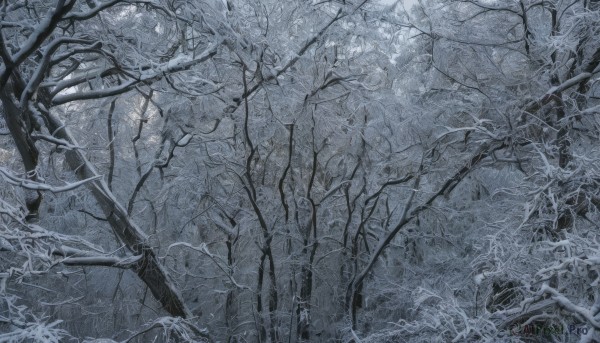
96 8
216 259
153 274
38 186
175 328
569 306
35 250
36 331
41 70
294 58
61 142
551 94
176 64
43 30
106 261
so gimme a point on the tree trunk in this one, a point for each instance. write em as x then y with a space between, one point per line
20 131
149 268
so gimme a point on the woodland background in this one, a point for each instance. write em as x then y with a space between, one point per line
299 171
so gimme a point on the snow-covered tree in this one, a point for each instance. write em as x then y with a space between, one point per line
301 171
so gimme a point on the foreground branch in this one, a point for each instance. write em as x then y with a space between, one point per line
148 267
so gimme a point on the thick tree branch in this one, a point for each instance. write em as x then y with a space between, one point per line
177 64
148 268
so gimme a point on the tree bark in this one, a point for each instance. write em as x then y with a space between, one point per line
148 268
20 132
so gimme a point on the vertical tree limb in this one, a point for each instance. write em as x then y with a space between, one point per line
111 144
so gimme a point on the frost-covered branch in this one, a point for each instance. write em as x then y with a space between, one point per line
216 259
38 186
59 142
177 64
565 303
149 269
42 31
